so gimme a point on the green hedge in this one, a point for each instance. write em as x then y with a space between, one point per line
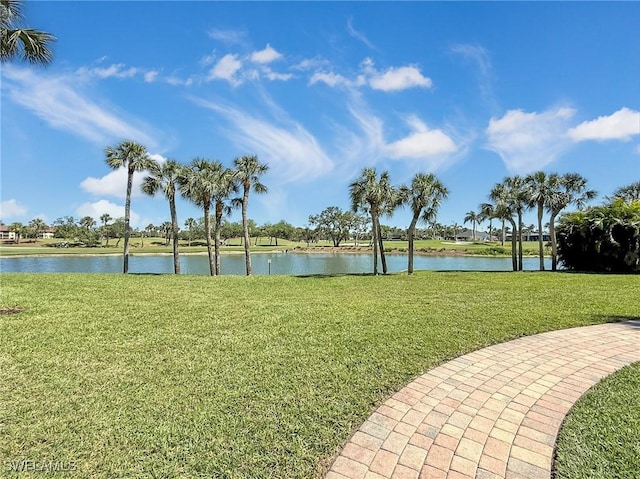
602 239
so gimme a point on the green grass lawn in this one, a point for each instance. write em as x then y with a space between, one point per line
242 377
600 438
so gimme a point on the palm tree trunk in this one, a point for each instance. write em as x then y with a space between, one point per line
503 232
374 239
473 232
207 232
514 245
127 228
519 241
217 227
554 243
540 242
410 234
245 227
174 228
383 258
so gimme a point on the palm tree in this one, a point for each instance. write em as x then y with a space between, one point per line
150 228
537 193
487 212
570 188
248 173
472 217
423 197
226 184
105 218
628 193
190 224
392 198
376 197
167 229
18 229
87 222
28 44
165 177
134 157
198 184
517 194
503 210
36 226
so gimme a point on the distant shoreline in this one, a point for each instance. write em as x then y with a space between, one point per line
298 250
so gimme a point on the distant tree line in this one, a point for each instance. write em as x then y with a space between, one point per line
217 190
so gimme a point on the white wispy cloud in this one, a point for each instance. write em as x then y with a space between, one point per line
401 78
358 143
12 209
366 144
392 79
233 37
226 69
151 76
208 59
315 63
267 55
273 76
529 141
479 57
175 80
621 125
118 70
114 183
358 35
329 78
59 101
422 143
96 209
291 151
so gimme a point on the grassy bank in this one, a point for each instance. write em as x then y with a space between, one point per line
163 376
600 438
157 246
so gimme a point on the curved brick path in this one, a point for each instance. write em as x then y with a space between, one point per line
493 413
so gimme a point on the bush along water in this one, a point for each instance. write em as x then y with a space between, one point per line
602 239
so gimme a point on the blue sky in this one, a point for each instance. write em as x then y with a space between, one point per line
471 91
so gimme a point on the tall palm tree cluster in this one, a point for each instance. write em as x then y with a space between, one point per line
204 182
546 192
374 195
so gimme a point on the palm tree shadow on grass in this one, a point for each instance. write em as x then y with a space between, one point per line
634 320
333 275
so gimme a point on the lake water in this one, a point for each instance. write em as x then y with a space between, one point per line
262 264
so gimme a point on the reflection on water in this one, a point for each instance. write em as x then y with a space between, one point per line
281 263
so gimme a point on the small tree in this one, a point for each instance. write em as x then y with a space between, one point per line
332 223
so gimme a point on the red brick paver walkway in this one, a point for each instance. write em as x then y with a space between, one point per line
493 413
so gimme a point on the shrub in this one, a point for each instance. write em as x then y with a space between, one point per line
494 251
602 239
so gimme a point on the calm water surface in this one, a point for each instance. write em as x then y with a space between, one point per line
264 263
